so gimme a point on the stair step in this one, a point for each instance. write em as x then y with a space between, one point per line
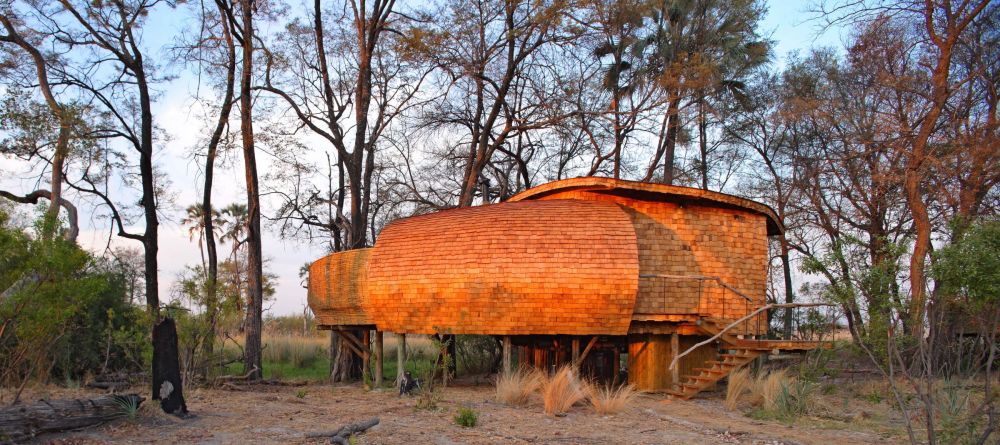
712 370
704 378
722 363
740 355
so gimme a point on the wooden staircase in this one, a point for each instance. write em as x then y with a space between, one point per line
738 353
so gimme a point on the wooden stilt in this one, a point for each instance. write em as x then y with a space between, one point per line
366 340
675 346
400 357
616 360
506 368
378 358
576 349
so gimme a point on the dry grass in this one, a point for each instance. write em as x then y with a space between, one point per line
561 391
739 383
769 388
611 400
299 351
515 388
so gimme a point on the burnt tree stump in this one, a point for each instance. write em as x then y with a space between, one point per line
166 369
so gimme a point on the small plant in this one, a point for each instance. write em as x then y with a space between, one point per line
611 400
428 398
561 391
301 393
129 405
515 388
828 389
874 397
466 417
782 397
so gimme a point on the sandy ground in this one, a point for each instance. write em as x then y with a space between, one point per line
276 414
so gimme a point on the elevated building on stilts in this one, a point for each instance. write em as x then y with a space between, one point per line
607 274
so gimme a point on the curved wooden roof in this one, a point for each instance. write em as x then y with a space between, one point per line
337 285
534 267
652 192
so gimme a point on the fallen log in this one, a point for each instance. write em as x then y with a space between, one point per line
342 435
19 423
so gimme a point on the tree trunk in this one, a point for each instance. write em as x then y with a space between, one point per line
786 269
22 423
211 303
703 143
253 363
673 127
167 384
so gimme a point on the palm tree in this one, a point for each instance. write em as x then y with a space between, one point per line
195 222
234 228
702 50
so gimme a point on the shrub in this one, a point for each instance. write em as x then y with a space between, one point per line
66 314
739 382
561 391
515 388
467 417
611 400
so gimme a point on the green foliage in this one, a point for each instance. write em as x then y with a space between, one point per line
301 394
954 406
67 314
466 417
129 406
793 400
970 266
874 396
476 353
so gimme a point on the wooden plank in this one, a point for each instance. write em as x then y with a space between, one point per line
353 343
378 358
506 354
400 357
675 346
583 355
366 355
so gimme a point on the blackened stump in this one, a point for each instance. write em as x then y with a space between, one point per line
166 369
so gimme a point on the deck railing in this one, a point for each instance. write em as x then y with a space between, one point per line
702 295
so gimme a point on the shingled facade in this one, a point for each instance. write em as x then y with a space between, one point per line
622 265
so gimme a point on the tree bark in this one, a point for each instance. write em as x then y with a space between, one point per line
208 212
21 423
167 384
253 361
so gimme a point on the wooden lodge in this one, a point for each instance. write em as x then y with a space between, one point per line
584 271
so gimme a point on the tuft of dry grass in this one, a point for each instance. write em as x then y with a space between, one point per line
769 388
561 391
740 382
515 388
611 400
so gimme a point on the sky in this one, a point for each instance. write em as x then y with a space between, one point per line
787 22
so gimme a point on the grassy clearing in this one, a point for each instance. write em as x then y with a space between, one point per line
306 357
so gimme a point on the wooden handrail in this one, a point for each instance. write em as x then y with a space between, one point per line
673 363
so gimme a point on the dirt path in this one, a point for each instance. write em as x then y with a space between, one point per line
279 415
